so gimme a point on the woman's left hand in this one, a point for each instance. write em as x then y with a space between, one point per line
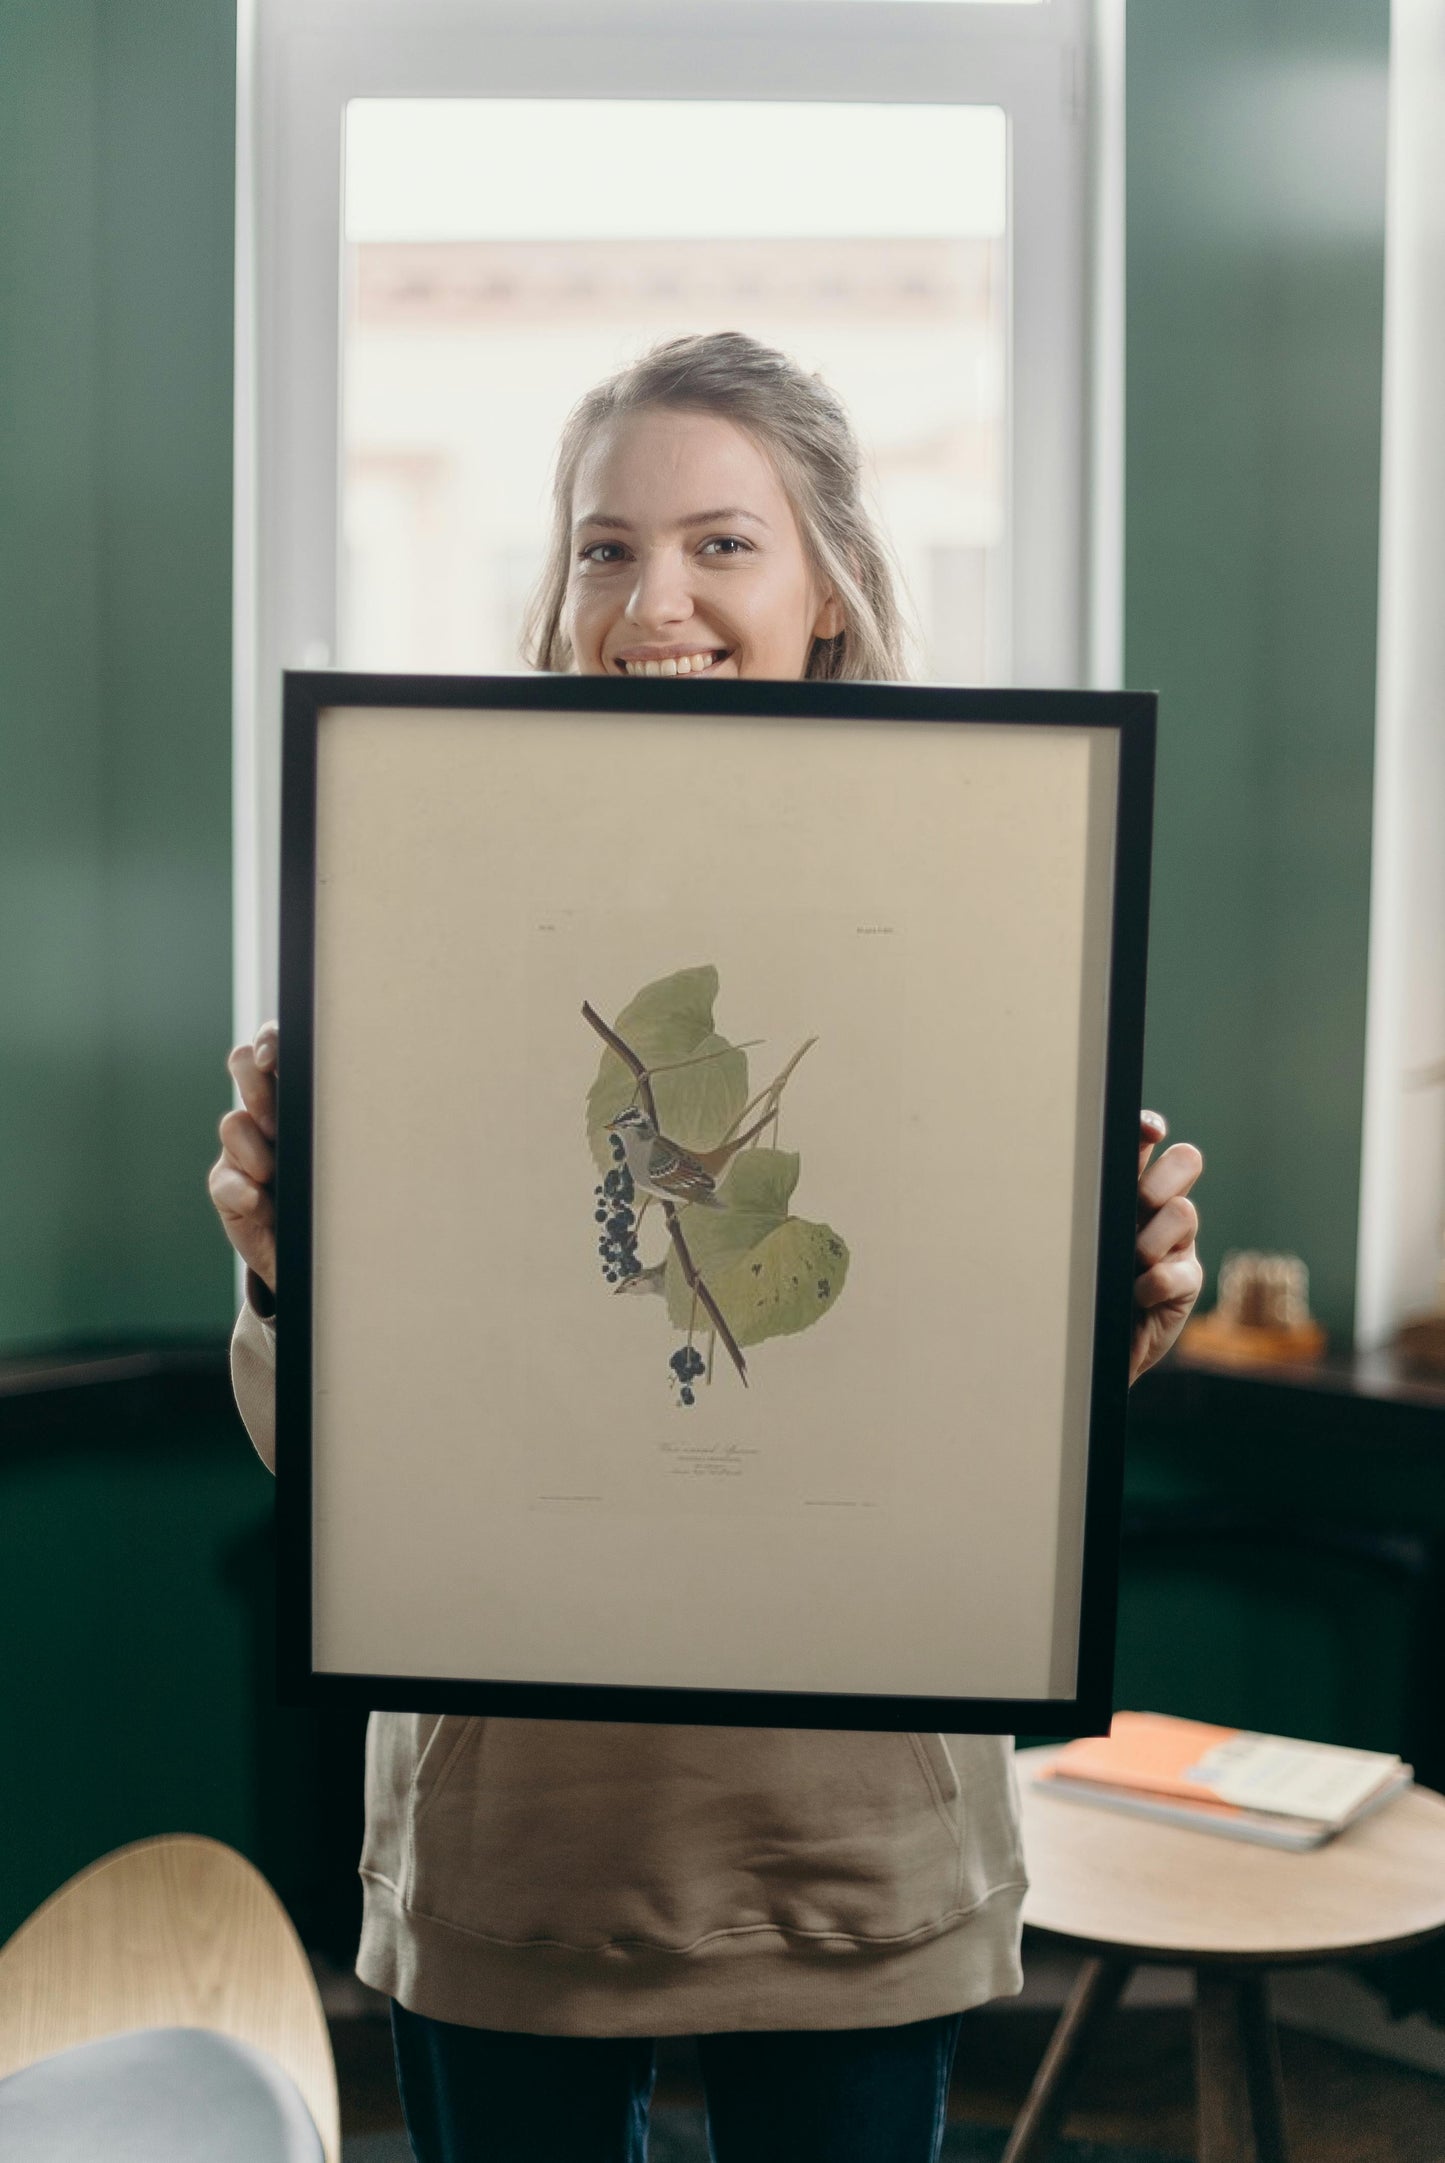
1168 1276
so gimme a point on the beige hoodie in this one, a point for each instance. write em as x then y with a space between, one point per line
567 1877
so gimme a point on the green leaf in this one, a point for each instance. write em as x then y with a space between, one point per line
669 1020
787 1284
771 1274
752 1201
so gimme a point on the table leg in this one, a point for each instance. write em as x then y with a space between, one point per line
1241 2117
1095 1994
1261 2045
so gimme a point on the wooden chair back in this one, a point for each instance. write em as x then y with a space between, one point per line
175 1932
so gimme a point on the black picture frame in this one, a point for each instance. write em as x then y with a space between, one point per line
1131 717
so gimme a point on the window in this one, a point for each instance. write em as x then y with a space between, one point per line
475 314
903 193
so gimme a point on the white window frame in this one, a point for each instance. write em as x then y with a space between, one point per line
1402 1162
1050 67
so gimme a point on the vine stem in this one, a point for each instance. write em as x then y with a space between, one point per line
695 1281
771 1094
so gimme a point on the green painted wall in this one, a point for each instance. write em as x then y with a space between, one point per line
52 916
137 1572
125 1569
1255 268
116 133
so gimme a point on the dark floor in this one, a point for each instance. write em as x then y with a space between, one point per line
1343 2105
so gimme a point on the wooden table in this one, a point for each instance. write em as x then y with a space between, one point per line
1125 1890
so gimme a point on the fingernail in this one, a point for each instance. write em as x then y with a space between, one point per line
1156 1119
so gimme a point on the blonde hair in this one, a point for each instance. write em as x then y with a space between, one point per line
804 428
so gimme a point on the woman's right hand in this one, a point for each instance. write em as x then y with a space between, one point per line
241 1180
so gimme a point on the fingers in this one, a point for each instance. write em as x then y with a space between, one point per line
247 1148
1170 1230
1169 1278
248 1217
1175 1282
1172 1174
1153 1126
236 1197
240 1180
1169 1274
253 1068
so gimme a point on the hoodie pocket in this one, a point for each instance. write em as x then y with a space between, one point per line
941 1775
597 1834
452 1736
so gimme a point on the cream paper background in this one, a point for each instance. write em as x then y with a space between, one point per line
505 1485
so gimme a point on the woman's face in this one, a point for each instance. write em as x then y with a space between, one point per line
686 556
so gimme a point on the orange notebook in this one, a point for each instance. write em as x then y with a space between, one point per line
1188 1759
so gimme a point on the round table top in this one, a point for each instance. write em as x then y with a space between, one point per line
1166 1892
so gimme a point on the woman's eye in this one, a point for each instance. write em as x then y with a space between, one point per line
602 552
726 544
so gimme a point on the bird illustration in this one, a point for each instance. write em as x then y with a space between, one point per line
665 1169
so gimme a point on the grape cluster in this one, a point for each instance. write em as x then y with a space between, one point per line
687 1363
617 1241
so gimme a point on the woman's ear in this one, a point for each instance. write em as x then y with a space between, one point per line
830 619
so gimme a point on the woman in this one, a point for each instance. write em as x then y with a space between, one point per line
543 1898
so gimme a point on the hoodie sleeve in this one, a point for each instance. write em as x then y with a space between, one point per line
253 1368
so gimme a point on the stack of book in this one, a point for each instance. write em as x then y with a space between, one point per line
1269 1788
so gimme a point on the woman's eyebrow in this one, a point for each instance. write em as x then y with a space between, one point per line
698 518
718 518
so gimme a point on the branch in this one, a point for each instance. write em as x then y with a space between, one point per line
690 1270
698 1285
700 1058
768 1096
626 1054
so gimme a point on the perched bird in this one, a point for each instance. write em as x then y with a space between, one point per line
663 1168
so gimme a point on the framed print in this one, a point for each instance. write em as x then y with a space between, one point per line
708 1141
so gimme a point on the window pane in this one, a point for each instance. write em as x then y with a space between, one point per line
503 256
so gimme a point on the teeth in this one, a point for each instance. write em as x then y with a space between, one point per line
687 664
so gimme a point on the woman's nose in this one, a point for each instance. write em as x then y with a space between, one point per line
661 594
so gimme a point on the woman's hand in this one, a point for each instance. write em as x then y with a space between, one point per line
241 1177
1168 1276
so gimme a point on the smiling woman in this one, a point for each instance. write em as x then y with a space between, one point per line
544 1896
645 577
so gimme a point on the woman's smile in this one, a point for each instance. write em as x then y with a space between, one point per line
672 660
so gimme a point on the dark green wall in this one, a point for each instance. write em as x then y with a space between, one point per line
1255 267
128 1577
116 154
138 1695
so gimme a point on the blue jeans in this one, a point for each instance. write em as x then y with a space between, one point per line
831 2095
